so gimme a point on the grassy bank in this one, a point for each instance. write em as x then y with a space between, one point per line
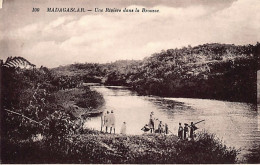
80 101
93 147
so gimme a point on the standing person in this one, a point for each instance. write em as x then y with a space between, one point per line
112 122
103 120
123 128
180 132
151 122
107 121
192 130
156 125
160 127
186 130
166 129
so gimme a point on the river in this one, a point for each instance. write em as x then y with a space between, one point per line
236 124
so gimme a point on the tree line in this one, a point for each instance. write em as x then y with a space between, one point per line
212 71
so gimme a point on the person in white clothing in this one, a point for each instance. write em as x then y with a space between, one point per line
112 122
123 128
106 121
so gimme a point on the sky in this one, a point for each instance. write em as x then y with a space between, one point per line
54 39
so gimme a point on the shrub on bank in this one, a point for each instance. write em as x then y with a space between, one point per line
90 99
83 97
206 149
254 156
105 148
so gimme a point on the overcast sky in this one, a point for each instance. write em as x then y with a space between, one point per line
53 39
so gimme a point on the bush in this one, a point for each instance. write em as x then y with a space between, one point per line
206 149
94 147
90 99
254 156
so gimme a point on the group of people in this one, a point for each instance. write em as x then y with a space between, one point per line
155 125
183 133
108 121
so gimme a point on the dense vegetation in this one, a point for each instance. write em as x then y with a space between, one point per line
213 71
258 87
37 105
254 155
93 147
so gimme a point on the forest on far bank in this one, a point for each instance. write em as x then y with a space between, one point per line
210 71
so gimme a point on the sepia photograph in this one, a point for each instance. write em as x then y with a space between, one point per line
130 81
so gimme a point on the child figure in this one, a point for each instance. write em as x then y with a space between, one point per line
123 128
160 127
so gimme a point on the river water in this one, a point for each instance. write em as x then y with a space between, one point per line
237 124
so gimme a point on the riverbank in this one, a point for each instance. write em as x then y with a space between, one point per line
209 71
95 147
80 101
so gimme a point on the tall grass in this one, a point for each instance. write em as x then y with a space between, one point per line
207 148
94 147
